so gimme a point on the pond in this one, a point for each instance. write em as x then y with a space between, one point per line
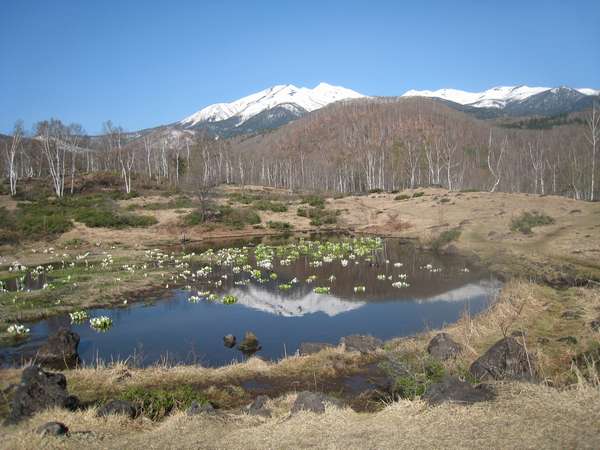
301 291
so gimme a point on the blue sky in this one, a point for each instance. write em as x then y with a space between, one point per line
145 63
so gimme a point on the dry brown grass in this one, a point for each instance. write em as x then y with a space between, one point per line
523 416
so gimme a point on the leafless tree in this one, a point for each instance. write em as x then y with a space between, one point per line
592 135
11 153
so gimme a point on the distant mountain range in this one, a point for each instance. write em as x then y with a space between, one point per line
281 104
514 101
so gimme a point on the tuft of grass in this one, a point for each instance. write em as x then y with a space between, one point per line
314 200
268 205
281 226
418 194
158 403
401 197
528 220
225 214
319 216
412 374
445 238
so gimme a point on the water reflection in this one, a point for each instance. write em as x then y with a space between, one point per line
441 289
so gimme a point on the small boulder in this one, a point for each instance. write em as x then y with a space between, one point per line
313 401
229 341
40 390
258 407
506 359
53 429
452 390
60 351
124 407
200 408
443 347
361 343
309 348
250 344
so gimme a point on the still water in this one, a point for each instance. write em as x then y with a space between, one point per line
405 291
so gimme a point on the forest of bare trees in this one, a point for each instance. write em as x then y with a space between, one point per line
347 147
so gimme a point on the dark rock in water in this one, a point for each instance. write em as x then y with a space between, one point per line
53 429
40 390
200 408
568 340
250 344
118 407
313 401
258 407
443 347
595 324
60 352
229 341
451 389
506 359
361 343
308 348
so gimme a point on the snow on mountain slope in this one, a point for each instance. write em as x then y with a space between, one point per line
496 97
588 91
280 95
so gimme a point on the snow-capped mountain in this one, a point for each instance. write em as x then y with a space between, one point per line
515 100
496 97
283 102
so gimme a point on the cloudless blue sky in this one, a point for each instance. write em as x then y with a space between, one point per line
149 62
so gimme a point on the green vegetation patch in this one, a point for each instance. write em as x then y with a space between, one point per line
411 375
526 221
314 200
180 202
319 216
225 214
158 403
268 205
445 238
281 226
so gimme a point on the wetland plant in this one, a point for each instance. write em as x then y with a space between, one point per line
18 330
101 323
78 316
